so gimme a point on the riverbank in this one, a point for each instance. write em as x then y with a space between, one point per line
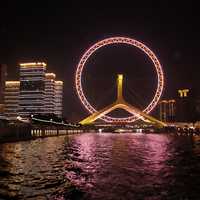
21 133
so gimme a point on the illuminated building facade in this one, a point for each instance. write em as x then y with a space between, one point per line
183 93
11 99
172 110
50 93
3 75
197 108
58 98
163 110
32 88
167 110
185 105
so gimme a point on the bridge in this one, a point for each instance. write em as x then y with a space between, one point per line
121 103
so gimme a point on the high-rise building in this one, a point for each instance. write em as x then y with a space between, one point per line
3 75
172 110
58 98
50 93
32 88
185 105
167 110
11 99
163 110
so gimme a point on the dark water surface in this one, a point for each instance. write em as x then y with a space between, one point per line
102 167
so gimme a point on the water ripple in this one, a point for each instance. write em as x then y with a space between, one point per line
101 166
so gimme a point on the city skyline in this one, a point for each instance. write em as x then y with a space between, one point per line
36 92
61 39
99 100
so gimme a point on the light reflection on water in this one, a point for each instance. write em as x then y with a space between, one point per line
101 166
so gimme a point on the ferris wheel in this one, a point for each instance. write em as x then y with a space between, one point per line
135 113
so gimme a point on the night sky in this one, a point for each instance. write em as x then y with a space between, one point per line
58 33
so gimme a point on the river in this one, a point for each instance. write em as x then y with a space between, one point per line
102 166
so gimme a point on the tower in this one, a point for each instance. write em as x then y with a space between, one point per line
167 110
11 99
58 98
49 93
32 88
3 75
185 105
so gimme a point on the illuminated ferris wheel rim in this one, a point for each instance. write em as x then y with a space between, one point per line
119 40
